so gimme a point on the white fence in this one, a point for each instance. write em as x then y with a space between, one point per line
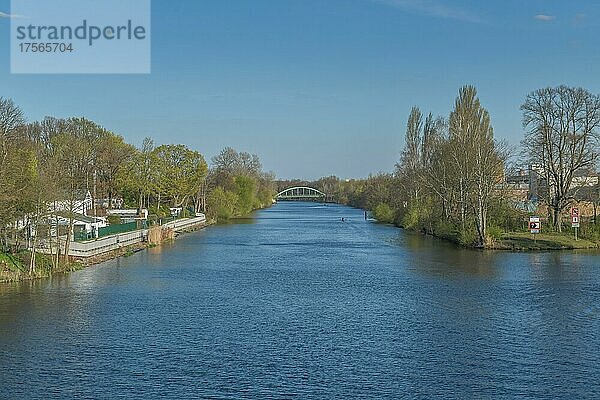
99 246
114 242
184 224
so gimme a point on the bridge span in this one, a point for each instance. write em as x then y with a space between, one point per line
303 193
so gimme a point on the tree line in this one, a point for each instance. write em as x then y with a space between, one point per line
52 161
237 185
450 180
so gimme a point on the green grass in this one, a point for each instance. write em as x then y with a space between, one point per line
15 267
544 241
11 262
129 253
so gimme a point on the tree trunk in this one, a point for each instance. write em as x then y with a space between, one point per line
68 241
33 253
557 219
70 229
55 257
34 241
480 220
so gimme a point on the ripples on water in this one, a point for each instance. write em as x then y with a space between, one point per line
297 304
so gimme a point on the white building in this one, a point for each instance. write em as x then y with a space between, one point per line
129 215
82 203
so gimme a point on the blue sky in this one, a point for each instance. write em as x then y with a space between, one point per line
323 87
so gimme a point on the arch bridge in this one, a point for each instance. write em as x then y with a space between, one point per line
302 193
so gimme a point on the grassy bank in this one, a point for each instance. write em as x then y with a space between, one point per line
524 241
520 241
15 267
513 241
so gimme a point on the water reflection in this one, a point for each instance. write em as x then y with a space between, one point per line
433 257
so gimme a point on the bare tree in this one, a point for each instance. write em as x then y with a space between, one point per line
562 139
479 160
11 119
437 172
14 171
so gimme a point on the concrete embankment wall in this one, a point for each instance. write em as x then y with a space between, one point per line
109 243
115 242
180 225
99 246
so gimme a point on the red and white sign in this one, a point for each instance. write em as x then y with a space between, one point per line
535 225
575 217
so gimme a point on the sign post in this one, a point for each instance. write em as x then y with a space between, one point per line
575 220
535 226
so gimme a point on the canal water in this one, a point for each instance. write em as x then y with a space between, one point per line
295 303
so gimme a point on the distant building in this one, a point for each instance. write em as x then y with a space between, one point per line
584 189
517 186
81 204
176 211
584 178
537 182
114 203
129 215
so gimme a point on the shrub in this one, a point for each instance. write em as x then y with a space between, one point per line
222 203
410 219
444 229
467 237
590 231
495 233
383 213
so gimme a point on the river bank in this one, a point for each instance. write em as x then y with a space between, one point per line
520 241
524 241
14 267
515 241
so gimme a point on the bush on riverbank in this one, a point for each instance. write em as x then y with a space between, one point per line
384 213
239 184
451 180
590 231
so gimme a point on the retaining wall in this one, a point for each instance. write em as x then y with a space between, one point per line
114 242
184 224
100 246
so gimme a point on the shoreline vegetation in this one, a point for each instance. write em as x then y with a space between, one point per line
452 178
59 174
450 181
522 241
12 268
